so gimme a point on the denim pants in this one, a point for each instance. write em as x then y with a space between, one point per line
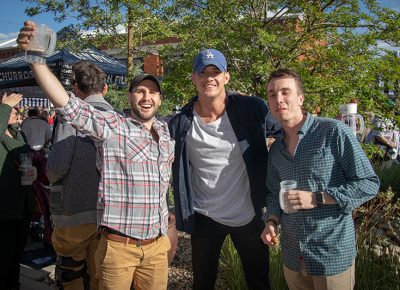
207 242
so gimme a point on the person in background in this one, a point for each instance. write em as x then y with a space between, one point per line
52 116
44 115
36 130
73 199
333 175
388 138
16 200
135 154
219 173
38 135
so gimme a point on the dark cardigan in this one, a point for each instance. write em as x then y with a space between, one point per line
13 196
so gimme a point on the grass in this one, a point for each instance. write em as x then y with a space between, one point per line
376 273
373 272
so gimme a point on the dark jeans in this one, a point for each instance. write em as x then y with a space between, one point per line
12 244
206 248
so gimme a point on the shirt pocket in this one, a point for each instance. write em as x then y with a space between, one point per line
138 150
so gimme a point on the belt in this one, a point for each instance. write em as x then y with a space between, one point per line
116 236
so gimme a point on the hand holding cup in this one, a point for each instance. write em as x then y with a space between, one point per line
285 186
29 172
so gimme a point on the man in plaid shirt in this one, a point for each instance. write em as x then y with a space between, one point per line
134 156
333 175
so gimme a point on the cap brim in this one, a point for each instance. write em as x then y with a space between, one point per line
201 68
140 78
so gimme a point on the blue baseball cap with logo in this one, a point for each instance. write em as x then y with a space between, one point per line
208 57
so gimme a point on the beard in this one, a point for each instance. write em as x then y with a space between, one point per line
143 116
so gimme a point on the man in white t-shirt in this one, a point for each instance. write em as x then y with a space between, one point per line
219 173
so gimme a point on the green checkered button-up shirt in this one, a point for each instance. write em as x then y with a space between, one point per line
328 157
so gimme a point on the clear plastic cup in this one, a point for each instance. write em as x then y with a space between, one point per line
25 166
285 186
41 45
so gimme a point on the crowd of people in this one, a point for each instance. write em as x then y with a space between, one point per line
110 175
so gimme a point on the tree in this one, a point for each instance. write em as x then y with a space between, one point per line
106 19
336 45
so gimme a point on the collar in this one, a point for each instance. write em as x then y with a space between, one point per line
95 98
304 129
307 124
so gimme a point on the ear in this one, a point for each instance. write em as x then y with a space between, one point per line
301 99
227 77
105 90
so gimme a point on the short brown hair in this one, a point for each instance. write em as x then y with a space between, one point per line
89 77
287 73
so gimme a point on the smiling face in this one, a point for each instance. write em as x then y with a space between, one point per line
285 100
210 83
145 99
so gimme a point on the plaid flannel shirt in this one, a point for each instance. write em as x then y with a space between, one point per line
328 157
135 169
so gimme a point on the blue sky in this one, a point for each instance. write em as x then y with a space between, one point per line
12 16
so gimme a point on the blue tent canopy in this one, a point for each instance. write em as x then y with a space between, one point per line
16 73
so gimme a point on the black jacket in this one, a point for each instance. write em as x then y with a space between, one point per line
248 116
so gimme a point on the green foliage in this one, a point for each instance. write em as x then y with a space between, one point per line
336 46
117 97
106 19
373 152
378 224
277 279
333 45
376 273
373 271
232 265
390 180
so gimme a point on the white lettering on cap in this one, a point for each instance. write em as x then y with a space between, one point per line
209 54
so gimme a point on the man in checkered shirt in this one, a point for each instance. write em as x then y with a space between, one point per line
333 177
134 156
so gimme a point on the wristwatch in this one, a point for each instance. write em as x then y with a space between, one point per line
319 198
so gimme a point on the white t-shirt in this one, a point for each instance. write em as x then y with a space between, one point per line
219 176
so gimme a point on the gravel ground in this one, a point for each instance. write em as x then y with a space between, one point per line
180 271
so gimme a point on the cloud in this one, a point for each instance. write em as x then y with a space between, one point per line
7 36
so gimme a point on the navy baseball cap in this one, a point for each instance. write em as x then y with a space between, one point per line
139 78
208 57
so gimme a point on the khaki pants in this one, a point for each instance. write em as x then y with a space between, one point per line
118 264
303 281
79 243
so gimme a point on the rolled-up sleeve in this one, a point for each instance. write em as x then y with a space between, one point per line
88 120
